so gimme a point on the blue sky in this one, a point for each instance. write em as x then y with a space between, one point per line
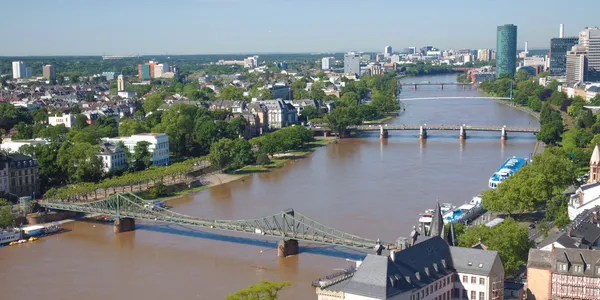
125 27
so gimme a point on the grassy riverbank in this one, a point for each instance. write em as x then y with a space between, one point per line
212 180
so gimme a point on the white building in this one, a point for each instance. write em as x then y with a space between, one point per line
352 63
66 119
280 114
395 58
483 54
120 83
14 146
534 61
326 63
112 158
19 70
576 65
159 145
588 195
159 70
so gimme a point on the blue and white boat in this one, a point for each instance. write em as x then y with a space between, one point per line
465 212
508 168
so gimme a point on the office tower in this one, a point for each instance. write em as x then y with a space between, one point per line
159 70
120 83
28 72
483 54
49 72
412 50
19 69
558 52
144 71
493 55
577 65
506 58
589 39
326 63
352 63
387 51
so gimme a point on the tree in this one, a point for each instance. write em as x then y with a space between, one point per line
158 190
265 290
142 158
220 155
80 121
595 101
340 118
350 98
231 93
311 112
556 210
535 103
153 102
241 154
585 118
510 239
576 138
6 216
79 161
558 98
522 75
128 127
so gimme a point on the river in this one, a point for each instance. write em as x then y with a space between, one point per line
362 185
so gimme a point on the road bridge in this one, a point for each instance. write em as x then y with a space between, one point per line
442 84
289 226
448 98
424 129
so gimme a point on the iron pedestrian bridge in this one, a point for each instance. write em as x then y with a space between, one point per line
288 226
445 98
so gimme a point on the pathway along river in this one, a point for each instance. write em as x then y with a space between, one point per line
364 186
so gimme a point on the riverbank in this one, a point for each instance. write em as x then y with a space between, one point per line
216 179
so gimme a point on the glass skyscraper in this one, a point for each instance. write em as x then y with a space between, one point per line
506 56
558 54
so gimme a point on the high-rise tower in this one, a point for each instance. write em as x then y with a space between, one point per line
506 57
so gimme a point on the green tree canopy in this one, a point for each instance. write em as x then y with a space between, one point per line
264 290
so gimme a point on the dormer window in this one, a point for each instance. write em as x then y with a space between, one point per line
562 267
598 270
578 268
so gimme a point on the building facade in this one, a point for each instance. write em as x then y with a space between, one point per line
563 274
24 176
120 83
506 57
159 145
19 70
352 63
483 54
279 113
66 119
144 71
326 63
589 39
387 51
49 72
4 186
558 54
112 158
577 66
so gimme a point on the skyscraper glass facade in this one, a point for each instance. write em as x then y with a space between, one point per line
558 54
506 57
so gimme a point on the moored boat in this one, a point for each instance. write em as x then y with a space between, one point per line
508 168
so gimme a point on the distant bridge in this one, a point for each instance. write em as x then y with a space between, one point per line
289 226
442 84
423 129
444 98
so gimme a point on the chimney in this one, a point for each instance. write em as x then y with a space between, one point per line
526 47
562 31
552 249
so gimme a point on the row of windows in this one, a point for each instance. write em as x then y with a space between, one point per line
444 296
577 268
433 288
22 172
13 181
465 279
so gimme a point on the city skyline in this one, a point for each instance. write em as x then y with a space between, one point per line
198 26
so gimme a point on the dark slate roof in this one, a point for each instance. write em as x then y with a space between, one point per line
539 259
473 261
573 257
381 277
583 232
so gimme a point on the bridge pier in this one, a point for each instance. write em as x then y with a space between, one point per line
422 133
415 87
503 135
462 133
442 86
383 133
287 247
124 225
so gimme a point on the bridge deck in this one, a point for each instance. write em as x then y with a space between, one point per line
286 225
438 127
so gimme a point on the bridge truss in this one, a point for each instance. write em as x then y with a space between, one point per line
285 225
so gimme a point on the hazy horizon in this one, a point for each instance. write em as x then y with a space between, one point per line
235 27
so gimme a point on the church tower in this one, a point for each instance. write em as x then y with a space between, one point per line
437 223
595 165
